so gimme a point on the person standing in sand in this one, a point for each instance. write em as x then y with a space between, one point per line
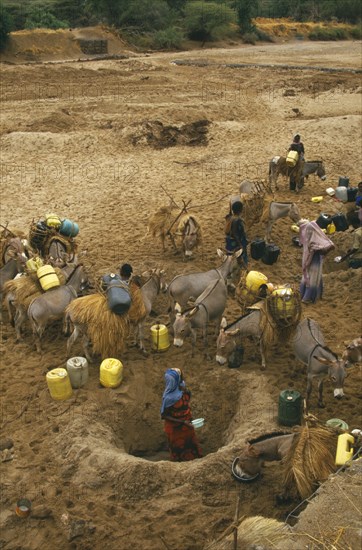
315 246
176 412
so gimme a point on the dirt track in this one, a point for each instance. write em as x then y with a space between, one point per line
74 141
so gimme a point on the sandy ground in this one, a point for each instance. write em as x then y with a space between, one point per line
68 145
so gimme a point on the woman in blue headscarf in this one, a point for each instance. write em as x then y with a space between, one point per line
176 412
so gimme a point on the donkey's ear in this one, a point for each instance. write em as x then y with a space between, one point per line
238 253
323 360
192 312
223 323
252 451
220 253
178 308
233 332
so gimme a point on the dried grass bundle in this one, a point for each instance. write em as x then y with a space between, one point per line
253 205
68 243
310 459
253 531
106 330
137 311
28 287
161 221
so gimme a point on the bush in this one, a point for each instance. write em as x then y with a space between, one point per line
38 18
356 33
208 21
322 33
263 36
249 38
5 26
168 39
146 15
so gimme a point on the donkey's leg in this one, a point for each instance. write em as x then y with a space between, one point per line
19 320
309 391
268 229
72 338
263 354
320 394
86 347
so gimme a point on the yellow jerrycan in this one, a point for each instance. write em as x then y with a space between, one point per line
111 373
59 384
160 339
47 277
344 449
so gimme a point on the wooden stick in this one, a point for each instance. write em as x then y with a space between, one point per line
169 196
6 229
209 203
236 523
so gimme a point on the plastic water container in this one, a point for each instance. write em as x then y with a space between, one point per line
331 228
343 181
292 158
47 277
284 301
337 423
257 248
118 295
160 337
59 384
324 220
344 451
52 220
290 408
33 264
69 228
111 373
254 280
271 254
317 199
77 368
341 193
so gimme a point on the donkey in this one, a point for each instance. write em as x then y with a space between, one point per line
278 165
314 167
230 336
353 351
209 306
186 287
268 447
15 259
278 210
51 305
310 349
151 288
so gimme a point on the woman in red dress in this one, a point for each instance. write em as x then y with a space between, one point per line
176 413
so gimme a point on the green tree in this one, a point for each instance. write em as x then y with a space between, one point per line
208 20
107 10
73 11
5 26
147 15
246 10
39 18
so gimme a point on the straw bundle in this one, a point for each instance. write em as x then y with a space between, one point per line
28 287
244 295
161 221
107 331
253 531
137 311
310 459
253 205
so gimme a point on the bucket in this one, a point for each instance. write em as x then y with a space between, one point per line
198 423
337 423
59 384
254 280
343 181
292 158
77 368
160 339
47 277
344 451
69 228
110 373
341 193
23 507
52 220
290 408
